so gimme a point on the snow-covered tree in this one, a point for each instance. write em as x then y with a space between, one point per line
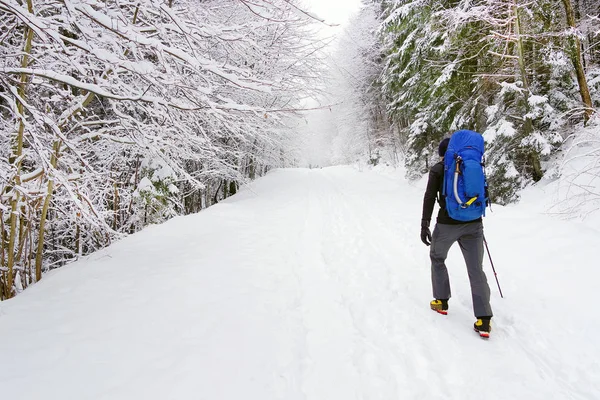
498 67
362 125
120 114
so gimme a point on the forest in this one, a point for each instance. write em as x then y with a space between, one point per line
525 74
117 114
120 114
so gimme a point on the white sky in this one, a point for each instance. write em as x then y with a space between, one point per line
334 11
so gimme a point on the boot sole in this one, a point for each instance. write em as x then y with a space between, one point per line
485 335
443 312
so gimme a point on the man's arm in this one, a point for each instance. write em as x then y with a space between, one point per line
433 185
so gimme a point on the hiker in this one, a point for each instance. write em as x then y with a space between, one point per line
468 231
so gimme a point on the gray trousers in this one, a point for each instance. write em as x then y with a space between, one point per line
470 240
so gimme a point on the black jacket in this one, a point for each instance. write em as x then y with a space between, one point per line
433 193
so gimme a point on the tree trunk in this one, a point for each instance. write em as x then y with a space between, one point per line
528 127
43 217
577 59
116 207
533 158
78 237
17 160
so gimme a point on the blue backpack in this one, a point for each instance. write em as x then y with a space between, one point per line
465 186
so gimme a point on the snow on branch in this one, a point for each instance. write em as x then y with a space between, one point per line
191 100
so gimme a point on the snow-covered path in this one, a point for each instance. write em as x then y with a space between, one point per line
310 284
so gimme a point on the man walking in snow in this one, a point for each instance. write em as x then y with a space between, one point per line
469 235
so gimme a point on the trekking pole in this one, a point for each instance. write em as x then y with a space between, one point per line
493 269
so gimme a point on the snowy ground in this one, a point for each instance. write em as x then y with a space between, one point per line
310 284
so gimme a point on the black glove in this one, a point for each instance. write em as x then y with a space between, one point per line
488 201
425 232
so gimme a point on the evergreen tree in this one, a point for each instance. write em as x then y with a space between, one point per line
497 67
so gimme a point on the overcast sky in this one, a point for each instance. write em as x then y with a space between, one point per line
334 11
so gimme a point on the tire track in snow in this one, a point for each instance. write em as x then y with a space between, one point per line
328 369
389 366
345 246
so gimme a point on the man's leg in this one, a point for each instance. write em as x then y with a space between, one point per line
471 244
442 239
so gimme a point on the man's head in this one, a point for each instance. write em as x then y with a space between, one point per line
443 147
